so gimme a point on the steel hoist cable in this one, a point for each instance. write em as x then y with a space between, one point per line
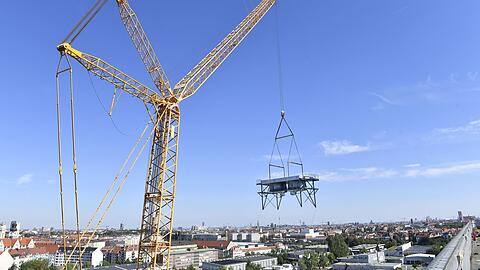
285 160
119 188
59 147
112 185
279 58
86 19
103 105
74 160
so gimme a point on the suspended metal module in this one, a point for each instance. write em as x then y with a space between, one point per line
285 172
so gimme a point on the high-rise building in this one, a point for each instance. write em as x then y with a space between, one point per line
121 226
14 229
460 216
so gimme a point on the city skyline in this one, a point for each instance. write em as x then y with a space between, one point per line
384 113
299 223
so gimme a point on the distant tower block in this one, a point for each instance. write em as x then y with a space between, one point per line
14 230
302 186
285 172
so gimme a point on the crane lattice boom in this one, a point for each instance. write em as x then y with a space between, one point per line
111 74
144 48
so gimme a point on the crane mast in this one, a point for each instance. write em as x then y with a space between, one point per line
159 197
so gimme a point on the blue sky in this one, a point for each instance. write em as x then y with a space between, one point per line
382 95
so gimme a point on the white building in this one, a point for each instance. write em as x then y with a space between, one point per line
368 248
229 264
423 259
120 254
241 249
6 260
280 267
128 240
365 261
366 266
185 255
3 230
91 256
250 237
21 256
398 251
306 234
97 244
374 257
241 263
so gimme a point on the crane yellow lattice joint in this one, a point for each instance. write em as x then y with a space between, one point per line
67 48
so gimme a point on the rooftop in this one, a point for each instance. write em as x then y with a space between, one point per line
132 266
255 258
240 260
372 264
228 262
421 255
212 243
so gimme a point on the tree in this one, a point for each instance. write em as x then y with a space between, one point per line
338 246
436 249
253 266
191 267
313 260
36 265
331 258
323 261
391 243
280 254
301 264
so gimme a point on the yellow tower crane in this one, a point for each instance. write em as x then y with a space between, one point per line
158 206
